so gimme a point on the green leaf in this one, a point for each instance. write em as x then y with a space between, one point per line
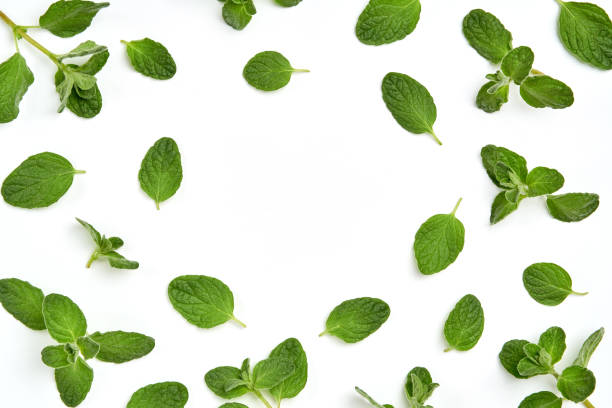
511 354
576 383
501 208
370 399
492 155
63 318
238 14
89 348
487 35
55 356
120 346
517 64
72 351
203 301
419 385
537 361
354 320
553 341
160 395
116 242
39 181
269 71
438 242
85 48
94 64
492 101
291 350
118 261
387 21
23 301
85 104
271 372
572 207
217 378
544 399
548 283
288 3
586 32
542 91
15 79
150 58
74 382
588 348
410 103
93 233
542 180
69 18
161 172
235 404
465 324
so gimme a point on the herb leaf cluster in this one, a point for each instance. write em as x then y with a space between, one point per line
106 248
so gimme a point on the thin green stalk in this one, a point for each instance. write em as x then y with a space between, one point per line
261 398
588 404
435 137
92 258
233 317
457 206
300 70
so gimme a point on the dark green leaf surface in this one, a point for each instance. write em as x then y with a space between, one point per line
23 301
80 106
89 348
93 233
203 301
120 346
410 103
271 372
238 14
151 58
419 385
234 404
492 155
438 242
15 78
553 341
576 383
542 180
161 395
354 320
161 172
217 379
501 208
387 21
511 354
586 32
517 64
544 399
291 350
288 3
572 207
588 348
119 261
547 283
492 102
269 71
537 361
465 324
69 18
55 356
39 181
487 35
542 91
74 382
63 318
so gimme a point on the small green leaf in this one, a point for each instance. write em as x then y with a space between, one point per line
588 348
537 361
410 103
235 404
586 32
161 172
438 242
217 378
85 48
271 372
120 346
94 64
370 399
517 64
419 385
288 3
150 58
387 21
238 14
118 261
55 356
354 320
63 318
492 155
548 283
160 395
39 181
23 301
492 101
465 324
93 233
576 383
89 348
501 208
572 207
269 71
74 382
203 301
511 354
487 35
544 399
15 79
553 341
291 350
105 249
69 18
542 91
542 180
85 104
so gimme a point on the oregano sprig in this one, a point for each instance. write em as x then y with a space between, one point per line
418 388
106 248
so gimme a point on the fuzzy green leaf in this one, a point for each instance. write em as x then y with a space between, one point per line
150 58
160 395
544 399
291 350
542 91
553 341
588 348
89 348
74 382
55 356
542 180
354 320
487 35
271 372
370 399
269 71
387 21
15 79
23 301
492 155
161 172
217 379
492 101
419 385
517 64
288 3
572 207
547 283
576 383
465 324
120 346
64 319
238 14
69 18
501 208
511 354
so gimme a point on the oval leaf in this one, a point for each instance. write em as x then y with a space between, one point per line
487 35
387 21
23 301
492 102
576 383
161 395
511 354
465 324
218 378
63 318
547 283
542 180
15 79
74 382
572 207
120 346
269 71
151 58
542 91
553 341
291 350
69 18
517 64
271 372
544 399
161 172
354 320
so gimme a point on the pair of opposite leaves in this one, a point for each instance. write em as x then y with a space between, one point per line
66 323
584 28
44 178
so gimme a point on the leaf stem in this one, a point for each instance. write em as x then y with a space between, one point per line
456 206
323 333
92 258
580 293
21 32
300 70
446 350
234 317
79 172
261 398
588 404
431 132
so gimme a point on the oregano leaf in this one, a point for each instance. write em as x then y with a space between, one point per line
465 324
541 91
69 18
15 79
354 320
269 71
548 283
64 319
572 207
168 394
487 35
150 58
23 301
387 21
161 171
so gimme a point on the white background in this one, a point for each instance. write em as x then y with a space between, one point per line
305 197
